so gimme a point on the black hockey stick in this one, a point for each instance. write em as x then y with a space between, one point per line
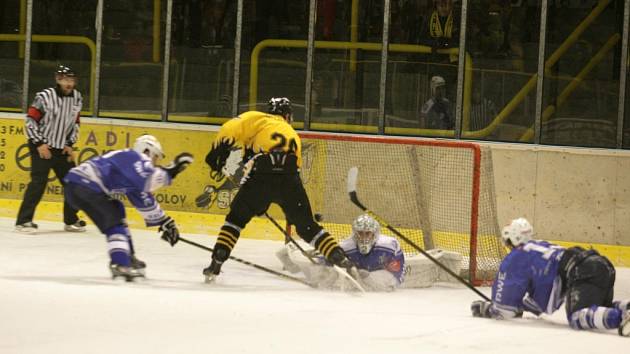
259 267
289 238
353 174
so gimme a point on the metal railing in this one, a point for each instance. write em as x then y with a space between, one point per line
45 38
402 48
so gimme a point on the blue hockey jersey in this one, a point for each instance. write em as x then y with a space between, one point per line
528 280
386 255
125 172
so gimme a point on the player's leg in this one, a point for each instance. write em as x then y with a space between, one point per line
34 191
251 199
109 216
589 296
61 166
290 194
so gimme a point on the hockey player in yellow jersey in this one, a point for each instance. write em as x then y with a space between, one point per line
272 152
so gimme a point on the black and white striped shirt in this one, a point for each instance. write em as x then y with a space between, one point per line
53 118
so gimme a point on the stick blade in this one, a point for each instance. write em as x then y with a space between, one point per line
353 174
349 277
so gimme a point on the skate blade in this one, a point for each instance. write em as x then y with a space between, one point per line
210 279
121 278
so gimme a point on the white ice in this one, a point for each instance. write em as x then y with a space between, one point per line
56 296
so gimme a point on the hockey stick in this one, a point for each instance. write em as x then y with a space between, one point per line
259 267
289 238
353 174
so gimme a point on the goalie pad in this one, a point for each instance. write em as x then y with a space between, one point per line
323 276
421 272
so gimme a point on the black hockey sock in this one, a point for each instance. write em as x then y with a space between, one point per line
228 236
325 244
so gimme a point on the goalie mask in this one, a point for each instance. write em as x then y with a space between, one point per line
150 146
518 232
365 231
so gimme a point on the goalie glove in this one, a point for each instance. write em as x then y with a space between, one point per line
219 154
179 164
481 308
169 231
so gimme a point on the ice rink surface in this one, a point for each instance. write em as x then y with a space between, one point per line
56 296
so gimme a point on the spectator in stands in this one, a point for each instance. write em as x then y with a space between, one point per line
441 30
436 113
482 111
326 13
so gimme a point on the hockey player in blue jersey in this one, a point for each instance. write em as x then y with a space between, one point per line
378 258
93 185
538 277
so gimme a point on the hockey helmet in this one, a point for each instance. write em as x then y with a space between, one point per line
150 146
281 106
518 232
365 232
66 71
437 81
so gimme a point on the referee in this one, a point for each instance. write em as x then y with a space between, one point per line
52 127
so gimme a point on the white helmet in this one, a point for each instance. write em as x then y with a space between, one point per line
365 231
149 145
518 232
436 81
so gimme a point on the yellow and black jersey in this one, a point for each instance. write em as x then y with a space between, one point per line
258 132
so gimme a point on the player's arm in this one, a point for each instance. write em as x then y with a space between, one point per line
228 137
154 215
508 290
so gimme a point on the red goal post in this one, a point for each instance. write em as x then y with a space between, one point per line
438 193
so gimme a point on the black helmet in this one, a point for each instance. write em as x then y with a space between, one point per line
63 70
280 106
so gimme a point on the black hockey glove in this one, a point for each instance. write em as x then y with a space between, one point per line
218 155
481 308
169 231
179 164
338 257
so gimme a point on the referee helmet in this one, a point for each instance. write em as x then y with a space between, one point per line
63 70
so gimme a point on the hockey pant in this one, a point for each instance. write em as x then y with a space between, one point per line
108 215
589 297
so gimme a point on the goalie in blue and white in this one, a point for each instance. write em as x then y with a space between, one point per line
94 185
537 277
379 259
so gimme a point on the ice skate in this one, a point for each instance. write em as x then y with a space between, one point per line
28 227
138 265
78 226
128 273
211 272
624 326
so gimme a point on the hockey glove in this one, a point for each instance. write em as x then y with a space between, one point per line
169 231
338 257
481 308
219 154
179 164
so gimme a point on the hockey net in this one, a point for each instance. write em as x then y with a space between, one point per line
439 194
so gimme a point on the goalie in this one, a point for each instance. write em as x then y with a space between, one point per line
379 259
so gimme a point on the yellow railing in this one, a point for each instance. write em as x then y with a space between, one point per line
574 84
63 39
557 54
404 48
